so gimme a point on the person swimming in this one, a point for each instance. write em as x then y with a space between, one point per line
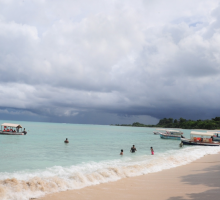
133 149
66 141
152 151
121 152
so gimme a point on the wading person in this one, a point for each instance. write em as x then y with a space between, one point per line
152 151
133 149
66 141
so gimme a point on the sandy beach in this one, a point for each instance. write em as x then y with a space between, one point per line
198 180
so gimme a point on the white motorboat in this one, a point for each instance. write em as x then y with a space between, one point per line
171 134
12 129
200 138
216 136
158 131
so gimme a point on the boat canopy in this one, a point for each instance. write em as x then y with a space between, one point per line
12 125
202 133
214 131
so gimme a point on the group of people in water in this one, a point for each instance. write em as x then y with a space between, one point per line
133 150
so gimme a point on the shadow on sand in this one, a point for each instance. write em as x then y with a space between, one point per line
210 178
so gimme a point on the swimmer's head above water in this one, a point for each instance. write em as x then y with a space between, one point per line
66 141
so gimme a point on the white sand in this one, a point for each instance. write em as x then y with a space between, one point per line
198 180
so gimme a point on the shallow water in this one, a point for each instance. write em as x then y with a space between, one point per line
41 163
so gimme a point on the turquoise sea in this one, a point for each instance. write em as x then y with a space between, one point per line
40 162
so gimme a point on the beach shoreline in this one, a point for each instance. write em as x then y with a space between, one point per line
196 180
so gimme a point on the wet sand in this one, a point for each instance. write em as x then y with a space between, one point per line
199 180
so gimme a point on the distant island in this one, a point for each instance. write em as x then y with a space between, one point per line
212 124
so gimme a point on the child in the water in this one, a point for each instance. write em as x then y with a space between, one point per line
152 151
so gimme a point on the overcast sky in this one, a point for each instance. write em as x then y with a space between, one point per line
107 62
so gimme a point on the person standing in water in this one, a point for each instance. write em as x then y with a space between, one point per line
152 151
24 131
66 141
133 149
121 152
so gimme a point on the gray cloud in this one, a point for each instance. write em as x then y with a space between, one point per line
109 62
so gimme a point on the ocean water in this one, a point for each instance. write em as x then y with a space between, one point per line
40 162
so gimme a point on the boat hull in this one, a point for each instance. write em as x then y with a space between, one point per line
168 136
11 133
189 142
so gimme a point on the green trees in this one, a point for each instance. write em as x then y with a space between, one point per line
217 119
214 123
138 124
181 120
190 124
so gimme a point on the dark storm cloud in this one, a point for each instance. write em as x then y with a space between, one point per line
109 62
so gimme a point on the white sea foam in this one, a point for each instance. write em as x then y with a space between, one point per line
32 184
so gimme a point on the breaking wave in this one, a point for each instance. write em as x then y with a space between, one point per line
24 185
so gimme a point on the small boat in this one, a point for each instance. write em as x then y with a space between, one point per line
172 134
12 129
159 131
200 138
216 136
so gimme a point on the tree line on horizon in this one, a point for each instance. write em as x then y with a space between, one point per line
210 124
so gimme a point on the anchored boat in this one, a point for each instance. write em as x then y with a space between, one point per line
158 131
200 138
171 134
216 136
12 129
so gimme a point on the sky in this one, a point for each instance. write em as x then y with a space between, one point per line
109 62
